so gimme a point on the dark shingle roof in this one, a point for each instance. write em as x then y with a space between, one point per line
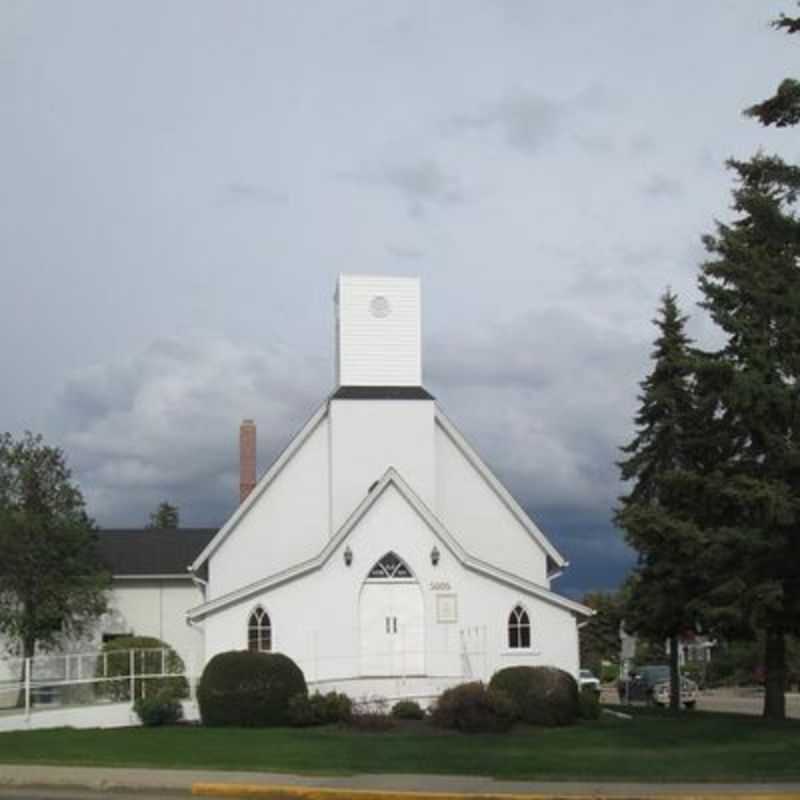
152 552
381 393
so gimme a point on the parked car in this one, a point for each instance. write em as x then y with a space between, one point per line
586 680
651 684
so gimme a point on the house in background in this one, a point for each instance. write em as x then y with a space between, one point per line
152 588
379 551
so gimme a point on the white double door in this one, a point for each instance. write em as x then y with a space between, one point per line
392 628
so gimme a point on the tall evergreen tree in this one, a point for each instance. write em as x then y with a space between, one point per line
751 287
783 108
166 518
657 515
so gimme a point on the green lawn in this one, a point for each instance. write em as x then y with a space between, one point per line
653 746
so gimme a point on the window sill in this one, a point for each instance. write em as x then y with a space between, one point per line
521 651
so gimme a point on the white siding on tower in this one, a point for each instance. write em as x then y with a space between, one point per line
378 331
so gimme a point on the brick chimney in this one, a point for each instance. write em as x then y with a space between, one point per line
247 458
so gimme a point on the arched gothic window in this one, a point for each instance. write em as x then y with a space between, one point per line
519 628
259 631
390 566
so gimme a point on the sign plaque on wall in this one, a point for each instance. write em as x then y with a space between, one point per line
446 608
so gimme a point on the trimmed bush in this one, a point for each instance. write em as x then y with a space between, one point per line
250 690
159 709
474 708
541 695
331 707
407 709
299 711
319 709
589 703
148 660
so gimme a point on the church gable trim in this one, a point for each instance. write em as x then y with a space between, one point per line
272 473
555 559
393 478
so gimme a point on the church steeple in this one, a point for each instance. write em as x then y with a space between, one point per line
378 331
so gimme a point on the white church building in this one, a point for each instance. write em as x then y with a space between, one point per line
379 551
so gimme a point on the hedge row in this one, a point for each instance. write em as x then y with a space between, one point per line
263 689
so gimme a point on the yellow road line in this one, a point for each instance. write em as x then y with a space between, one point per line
279 792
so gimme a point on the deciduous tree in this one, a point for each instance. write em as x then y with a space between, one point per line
599 640
52 582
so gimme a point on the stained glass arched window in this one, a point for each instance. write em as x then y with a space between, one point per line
259 631
390 566
519 628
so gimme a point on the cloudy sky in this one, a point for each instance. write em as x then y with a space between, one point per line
181 182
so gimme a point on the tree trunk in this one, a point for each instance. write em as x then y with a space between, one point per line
775 679
28 649
674 674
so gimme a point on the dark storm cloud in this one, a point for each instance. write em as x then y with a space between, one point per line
529 122
164 424
526 121
167 169
599 558
510 383
420 183
662 186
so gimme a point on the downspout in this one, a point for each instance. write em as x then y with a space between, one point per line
200 630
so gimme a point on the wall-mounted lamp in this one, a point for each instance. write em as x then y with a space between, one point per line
348 556
435 555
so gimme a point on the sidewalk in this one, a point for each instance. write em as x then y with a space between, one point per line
440 787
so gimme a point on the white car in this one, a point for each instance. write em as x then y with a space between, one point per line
588 681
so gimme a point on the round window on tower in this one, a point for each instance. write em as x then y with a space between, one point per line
379 306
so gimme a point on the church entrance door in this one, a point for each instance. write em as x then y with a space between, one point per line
392 624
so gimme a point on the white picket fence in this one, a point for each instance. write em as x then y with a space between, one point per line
70 684
46 682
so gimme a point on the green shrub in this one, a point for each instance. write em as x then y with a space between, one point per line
474 708
541 695
319 709
609 673
407 709
148 660
331 707
589 703
247 689
158 709
299 711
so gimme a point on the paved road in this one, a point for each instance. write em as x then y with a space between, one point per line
46 793
735 701
750 702
39 782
